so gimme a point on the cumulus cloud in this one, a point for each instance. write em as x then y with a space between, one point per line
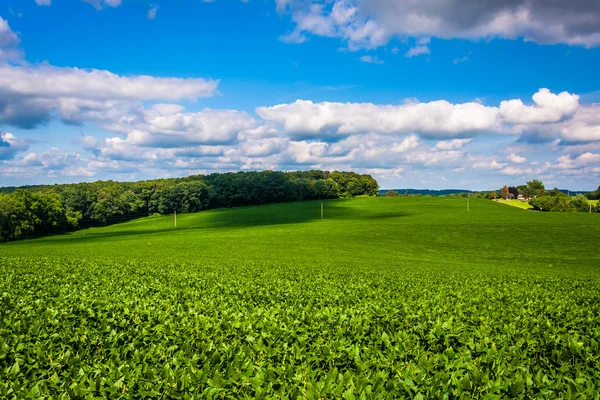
452 144
9 42
514 158
30 96
487 165
341 20
182 129
548 107
584 126
408 143
368 24
434 119
10 146
532 171
585 159
390 139
43 2
55 82
549 115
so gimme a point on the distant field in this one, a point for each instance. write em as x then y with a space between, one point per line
386 297
516 203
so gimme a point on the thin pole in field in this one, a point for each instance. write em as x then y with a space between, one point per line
590 207
467 202
321 210
175 218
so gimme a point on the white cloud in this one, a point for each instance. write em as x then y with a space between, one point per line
9 42
369 24
30 96
55 82
263 147
488 165
584 126
434 119
100 4
531 172
452 144
183 129
43 2
514 158
164 137
585 159
417 51
11 146
371 59
341 20
407 144
151 14
548 107
432 158
462 59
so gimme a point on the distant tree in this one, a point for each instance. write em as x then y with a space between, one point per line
536 188
560 203
514 191
595 195
406 193
326 189
391 193
580 203
504 192
40 210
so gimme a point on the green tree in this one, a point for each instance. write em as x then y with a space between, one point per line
326 189
580 203
535 188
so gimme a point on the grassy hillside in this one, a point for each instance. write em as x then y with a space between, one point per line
366 231
390 297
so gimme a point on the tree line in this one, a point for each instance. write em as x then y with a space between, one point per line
49 209
541 199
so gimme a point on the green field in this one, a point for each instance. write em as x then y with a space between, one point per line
516 203
384 298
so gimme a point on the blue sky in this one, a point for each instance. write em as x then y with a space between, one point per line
432 94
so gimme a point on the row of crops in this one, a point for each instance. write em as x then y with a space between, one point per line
83 329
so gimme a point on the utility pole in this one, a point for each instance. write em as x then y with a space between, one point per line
468 195
590 208
321 210
175 218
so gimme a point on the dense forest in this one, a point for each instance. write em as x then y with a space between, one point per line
42 210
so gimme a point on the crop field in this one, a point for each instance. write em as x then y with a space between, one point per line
386 298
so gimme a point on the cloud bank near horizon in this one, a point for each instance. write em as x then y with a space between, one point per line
147 130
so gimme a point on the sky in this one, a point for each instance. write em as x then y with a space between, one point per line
464 94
